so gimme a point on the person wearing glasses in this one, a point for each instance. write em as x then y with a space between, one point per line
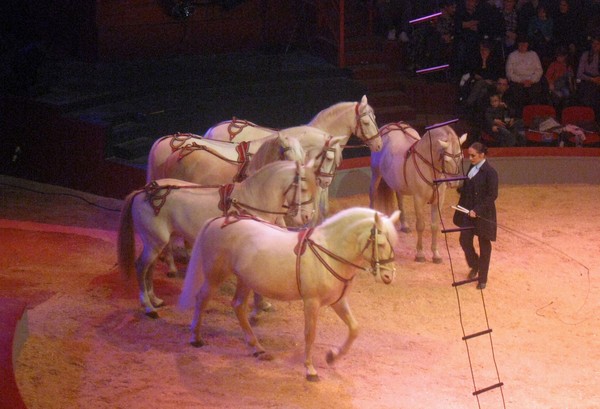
478 195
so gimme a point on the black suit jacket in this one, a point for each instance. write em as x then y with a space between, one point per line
479 194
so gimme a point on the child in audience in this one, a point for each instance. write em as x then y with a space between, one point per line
560 78
502 125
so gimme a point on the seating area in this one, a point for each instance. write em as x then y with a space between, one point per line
576 126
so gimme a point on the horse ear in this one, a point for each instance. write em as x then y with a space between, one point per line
395 216
463 138
444 144
363 101
335 140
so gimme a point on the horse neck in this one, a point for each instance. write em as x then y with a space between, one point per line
267 153
265 189
426 148
340 235
336 120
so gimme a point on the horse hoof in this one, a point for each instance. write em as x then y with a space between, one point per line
197 344
437 260
312 378
172 274
262 356
330 357
158 304
420 259
152 314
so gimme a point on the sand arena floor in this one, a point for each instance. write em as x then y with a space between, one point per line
90 345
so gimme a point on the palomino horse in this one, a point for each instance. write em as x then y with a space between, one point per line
316 266
343 118
169 206
408 165
195 159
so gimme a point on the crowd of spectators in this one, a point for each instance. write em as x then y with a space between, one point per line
519 52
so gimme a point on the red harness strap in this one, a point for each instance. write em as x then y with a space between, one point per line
244 159
225 197
236 126
156 195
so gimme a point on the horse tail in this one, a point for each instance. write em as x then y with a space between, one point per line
194 277
384 198
126 238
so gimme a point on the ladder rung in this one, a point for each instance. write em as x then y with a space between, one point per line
467 281
499 384
454 179
477 334
458 229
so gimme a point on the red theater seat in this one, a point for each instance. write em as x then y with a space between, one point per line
584 118
533 136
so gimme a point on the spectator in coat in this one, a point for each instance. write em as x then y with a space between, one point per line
588 77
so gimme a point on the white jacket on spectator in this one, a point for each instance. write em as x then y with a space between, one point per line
522 67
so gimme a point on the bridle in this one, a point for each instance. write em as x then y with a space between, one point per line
322 156
359 126
375 267
293 208
412 152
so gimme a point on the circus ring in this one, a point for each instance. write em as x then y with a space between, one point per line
88 343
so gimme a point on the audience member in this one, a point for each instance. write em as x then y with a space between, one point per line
445 28
560 76
524 71
475 20
488 69
588 77
509 13
540 32
501 123
567 30
526 10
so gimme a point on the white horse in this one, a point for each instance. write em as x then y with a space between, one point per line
200 160
169 206
316 266
343 118
408 165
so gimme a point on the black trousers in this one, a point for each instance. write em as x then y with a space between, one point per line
482 261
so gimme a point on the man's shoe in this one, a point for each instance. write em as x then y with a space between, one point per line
473 273
480 286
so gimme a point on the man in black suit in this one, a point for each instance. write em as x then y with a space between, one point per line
478 195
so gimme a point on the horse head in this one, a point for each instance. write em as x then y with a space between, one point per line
328 159
366 128
382 239
451 156
300 194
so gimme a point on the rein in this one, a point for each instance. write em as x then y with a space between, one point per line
415 154
304 241
236 126
178 144
156 194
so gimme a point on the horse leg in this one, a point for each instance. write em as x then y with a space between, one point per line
404 227
311 311
240 306
420 257
144 266
437 258
202 299
342 309
260 305
169 259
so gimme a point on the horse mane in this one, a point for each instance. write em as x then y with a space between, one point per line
270 151
357 217
332 111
